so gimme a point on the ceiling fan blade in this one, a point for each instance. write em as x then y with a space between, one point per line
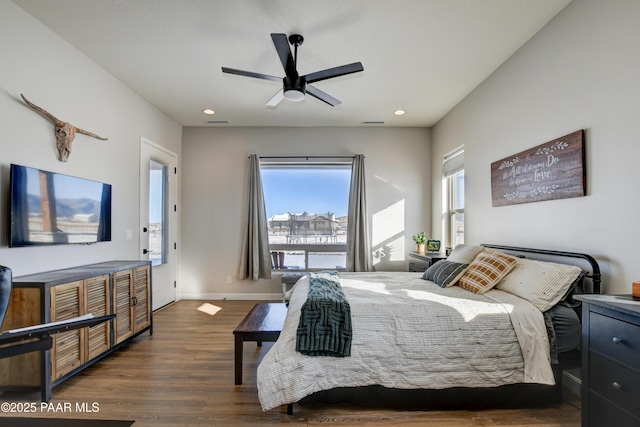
334 72
322 96
275 99
251 74
281 42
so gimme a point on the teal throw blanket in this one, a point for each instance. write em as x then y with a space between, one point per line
325 318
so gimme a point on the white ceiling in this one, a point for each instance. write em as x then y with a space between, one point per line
423 56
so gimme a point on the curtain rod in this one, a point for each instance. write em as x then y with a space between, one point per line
304 157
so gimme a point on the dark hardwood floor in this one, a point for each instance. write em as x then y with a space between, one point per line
183 375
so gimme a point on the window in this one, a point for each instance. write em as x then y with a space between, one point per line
157 213
306 208
453 198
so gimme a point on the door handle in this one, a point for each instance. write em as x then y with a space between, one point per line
145 251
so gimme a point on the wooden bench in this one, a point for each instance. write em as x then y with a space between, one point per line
263 323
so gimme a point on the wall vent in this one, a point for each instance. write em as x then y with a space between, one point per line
217 122
372 122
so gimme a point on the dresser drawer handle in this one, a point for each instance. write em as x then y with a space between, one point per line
617 385
617 340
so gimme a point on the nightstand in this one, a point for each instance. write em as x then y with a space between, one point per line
288 280
423 260
610 360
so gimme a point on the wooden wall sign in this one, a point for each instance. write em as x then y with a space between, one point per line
554 170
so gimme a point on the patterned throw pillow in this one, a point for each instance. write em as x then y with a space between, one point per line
486 271
445 273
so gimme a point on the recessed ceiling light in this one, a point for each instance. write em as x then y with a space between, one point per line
208 111
399 112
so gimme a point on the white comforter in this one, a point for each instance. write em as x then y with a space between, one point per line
410 333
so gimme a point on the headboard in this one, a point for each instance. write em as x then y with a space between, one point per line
594 275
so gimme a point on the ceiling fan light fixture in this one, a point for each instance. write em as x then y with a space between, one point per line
294 95
295 86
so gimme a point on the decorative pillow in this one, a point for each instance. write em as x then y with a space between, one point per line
445 273
464 254
542 283
486 271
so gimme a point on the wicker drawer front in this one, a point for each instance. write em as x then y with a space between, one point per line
68 354
98 297
122 304
615 338
66 301
615 383
142 303
67 351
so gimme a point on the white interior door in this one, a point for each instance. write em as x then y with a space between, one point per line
158 219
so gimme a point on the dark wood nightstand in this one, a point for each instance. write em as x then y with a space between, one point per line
610 360
423 260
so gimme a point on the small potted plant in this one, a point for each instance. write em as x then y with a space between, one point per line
420 240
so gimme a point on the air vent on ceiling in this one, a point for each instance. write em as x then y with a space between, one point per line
217 122
372 122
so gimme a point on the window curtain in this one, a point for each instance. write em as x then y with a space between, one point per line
358 243
255 262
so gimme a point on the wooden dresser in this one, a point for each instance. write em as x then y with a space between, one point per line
122 288
610 360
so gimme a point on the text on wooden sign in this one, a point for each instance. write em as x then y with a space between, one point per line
554 170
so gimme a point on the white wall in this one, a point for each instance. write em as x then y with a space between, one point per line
581 71
214 187
52 74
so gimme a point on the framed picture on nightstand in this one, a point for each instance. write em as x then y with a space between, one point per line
433 245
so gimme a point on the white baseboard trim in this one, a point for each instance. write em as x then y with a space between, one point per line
573 383
238 297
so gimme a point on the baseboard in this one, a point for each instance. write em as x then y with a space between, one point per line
233 296
571 381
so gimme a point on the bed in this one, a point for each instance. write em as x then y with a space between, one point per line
491 326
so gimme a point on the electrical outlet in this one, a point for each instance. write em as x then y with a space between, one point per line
128 235
229 279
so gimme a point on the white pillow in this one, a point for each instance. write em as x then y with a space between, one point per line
464 254
541 283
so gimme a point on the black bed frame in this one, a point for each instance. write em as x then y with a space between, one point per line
507 396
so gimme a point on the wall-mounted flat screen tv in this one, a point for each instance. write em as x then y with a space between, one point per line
49 208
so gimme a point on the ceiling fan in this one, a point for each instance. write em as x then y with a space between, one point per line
294 86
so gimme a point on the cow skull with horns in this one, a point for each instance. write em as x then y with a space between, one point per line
65 132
